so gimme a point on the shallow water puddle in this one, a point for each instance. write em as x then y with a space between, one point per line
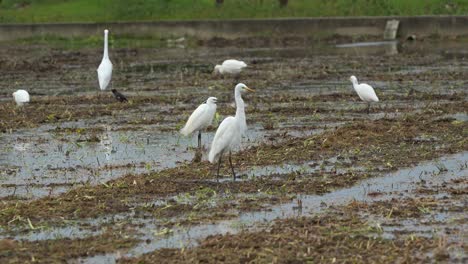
402 181
366 44
334 164
432 225
463 117
71 232
66 160
445 221
37 164
364 48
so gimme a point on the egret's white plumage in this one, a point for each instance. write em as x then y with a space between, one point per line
21 97
364 91
227 137
200 119
105 68
229 133
230 67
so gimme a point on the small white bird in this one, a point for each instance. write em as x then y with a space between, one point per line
105 68
200 119
365 92
230 131
21 97
230 67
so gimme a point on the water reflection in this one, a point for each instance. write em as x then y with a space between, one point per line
378 47
106 142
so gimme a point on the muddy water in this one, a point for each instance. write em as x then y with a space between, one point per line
51 162
398 184
290 81
44 163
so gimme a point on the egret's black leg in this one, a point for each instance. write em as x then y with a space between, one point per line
232 167
199 139
368 108
219 165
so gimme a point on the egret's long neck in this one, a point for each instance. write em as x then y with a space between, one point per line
355 83
106 53
240 108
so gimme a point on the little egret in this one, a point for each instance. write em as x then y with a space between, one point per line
365 92
120 97
21 97
105 68
230 67
230 131
200 119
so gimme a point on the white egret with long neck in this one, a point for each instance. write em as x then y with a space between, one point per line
200 119
105 68
229 133
21 97
364 91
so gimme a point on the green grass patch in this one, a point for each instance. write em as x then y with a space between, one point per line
27 11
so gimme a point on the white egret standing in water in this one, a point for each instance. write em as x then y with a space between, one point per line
230 131
230 67
21 97
105 68
200 119
365 92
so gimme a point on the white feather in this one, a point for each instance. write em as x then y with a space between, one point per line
21 97
230 67
201 118
227 137
364 91
105 68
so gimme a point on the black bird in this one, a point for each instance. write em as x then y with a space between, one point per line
120 97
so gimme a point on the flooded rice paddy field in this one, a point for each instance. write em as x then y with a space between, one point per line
86 179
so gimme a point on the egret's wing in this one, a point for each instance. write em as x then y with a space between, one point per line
227 136
368 93
21 96
210 114
234 64
197 120
104 73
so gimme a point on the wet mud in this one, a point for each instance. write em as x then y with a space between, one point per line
76 162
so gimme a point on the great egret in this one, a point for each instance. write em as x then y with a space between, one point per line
230 67
21 97
200 119
365 92
120 97
230 131
105 68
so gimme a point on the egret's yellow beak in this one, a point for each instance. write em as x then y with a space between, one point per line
250 90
